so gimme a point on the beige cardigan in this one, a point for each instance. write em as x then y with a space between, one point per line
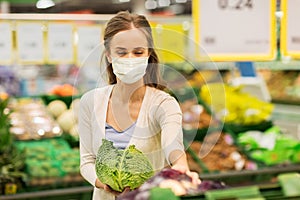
158 130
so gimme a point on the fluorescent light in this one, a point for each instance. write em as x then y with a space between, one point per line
150 4
119 1
164 3
180 1
43 4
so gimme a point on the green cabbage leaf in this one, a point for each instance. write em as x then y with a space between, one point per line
120 168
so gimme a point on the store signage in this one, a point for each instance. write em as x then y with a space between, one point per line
89 44
235 30
290 29
30 42
60 48
5 43
170 41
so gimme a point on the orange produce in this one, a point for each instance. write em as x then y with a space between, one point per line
64 90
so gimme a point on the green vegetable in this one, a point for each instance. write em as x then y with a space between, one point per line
120 168
290 183
157 193
246 192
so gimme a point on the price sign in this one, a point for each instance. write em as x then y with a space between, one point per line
5 43
88 45
235 30
60 43
30 42
170 40
290 29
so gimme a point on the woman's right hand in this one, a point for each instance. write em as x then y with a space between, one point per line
116 193
99 184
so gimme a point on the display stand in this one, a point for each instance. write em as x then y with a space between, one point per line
82 192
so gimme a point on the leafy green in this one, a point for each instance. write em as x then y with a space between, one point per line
158 193
120 168
12 160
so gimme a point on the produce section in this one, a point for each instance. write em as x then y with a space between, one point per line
218 148
241 145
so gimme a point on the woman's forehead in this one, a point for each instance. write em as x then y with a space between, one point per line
129 39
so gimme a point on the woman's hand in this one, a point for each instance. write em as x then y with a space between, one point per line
180 164
99 184
116 193
184 169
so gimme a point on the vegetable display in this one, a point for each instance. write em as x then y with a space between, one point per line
232 105
171 184
120 168
50 158
219 154
270 147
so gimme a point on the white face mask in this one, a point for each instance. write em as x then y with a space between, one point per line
129 70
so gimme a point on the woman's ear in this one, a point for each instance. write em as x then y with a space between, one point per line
108 57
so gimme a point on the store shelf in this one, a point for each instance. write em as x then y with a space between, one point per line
286 112
278 65
46 17
84 192
250 177
270 65
263 179
267 192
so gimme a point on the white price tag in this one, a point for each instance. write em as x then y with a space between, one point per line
88 45
235 30
5 43
60 43
290 29
30 43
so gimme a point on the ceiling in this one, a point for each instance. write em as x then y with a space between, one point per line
94 6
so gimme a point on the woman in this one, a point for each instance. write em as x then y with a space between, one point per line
133 108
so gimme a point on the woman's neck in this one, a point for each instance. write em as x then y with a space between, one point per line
129 93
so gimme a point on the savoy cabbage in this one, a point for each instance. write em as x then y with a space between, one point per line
120 168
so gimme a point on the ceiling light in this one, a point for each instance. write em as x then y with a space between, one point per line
43 4
120 1
150 4
164 3
180 1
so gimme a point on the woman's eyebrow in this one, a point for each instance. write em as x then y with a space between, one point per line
139 48
121 48
136 48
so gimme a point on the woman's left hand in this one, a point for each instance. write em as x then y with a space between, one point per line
184 169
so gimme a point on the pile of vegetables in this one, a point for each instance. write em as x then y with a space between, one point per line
170 184
219 153
121 168
66 115
231 105
270 147
30 120
11 160
64 90
50 159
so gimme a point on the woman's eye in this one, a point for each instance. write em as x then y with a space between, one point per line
139 52
121 53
